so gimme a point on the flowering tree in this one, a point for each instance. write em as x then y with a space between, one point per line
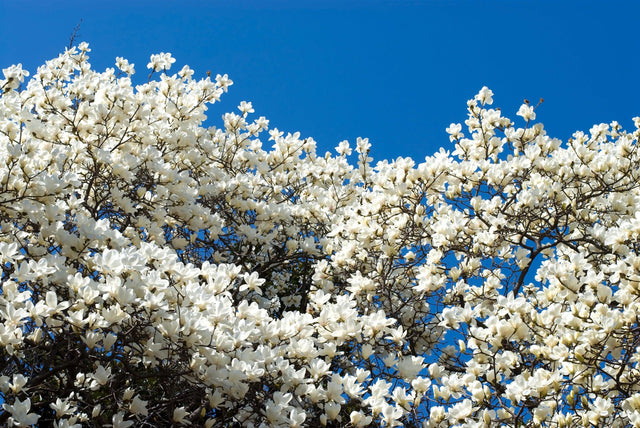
158 272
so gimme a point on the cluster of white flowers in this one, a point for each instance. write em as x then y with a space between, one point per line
158 271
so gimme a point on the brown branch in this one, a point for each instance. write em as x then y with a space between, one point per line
74 35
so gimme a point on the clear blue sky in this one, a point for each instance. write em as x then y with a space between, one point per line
397 72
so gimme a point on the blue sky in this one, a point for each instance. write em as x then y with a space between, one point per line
397 72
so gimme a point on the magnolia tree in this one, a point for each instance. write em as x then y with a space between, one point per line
159 272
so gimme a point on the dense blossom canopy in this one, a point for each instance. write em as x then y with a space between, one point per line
156 271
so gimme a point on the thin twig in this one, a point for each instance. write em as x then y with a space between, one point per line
74 36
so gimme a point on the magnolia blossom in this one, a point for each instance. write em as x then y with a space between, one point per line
161 61
159 268
20 415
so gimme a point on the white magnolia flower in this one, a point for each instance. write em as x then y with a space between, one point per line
20 415
161 61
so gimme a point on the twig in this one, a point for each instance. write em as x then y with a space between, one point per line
74 36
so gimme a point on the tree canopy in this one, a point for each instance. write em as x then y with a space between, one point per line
158 271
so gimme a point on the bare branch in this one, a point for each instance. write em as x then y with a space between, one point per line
73 38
